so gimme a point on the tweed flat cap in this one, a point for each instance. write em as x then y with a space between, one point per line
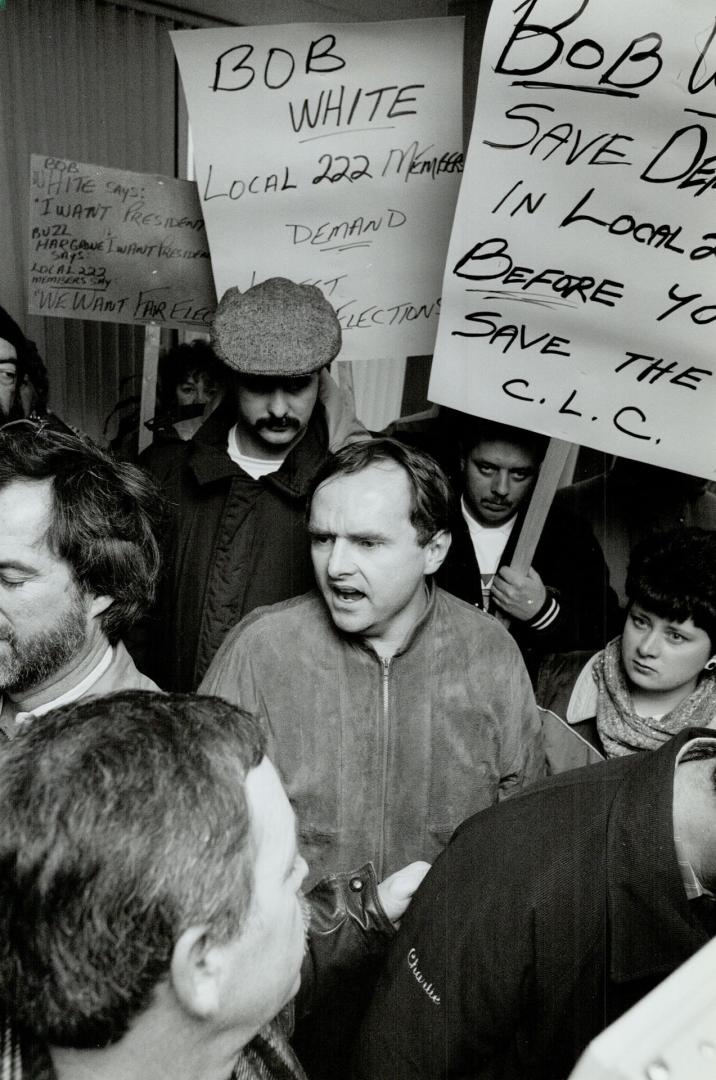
276 328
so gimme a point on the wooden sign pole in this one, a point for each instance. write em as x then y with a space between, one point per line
544 491
148 402
540 502
344 378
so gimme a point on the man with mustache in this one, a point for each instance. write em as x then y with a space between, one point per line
239 486
79 562
564 600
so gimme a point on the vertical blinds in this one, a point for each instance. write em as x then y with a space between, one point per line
93 81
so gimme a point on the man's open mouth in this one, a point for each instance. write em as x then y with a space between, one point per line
346 594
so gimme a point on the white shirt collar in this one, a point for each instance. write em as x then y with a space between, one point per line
74 693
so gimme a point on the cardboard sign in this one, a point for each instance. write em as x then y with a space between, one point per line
117 246
331 154
580 290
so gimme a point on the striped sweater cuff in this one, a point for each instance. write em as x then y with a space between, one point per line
548 614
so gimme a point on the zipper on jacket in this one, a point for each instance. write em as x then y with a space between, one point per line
385 688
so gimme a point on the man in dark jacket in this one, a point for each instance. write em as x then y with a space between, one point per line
239 486
549 916
564 600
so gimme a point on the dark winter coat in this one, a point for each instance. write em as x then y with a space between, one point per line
237 543
544 920
570 563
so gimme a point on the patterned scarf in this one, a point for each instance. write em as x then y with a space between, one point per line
268 1057
621 730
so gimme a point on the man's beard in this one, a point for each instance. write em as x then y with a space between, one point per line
34 659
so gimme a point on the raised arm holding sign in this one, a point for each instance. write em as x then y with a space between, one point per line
538 569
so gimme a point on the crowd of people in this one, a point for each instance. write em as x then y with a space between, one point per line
281 655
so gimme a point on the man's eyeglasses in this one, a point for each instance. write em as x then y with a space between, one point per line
26 423
46 427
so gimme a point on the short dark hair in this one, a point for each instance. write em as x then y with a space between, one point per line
124 823
673 574
476 429
106 515
192 358
432 501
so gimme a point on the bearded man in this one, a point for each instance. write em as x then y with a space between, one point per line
79 562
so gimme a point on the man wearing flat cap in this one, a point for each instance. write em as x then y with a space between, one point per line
239 486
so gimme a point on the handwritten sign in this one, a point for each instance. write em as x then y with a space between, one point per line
580 288
117 246
332 155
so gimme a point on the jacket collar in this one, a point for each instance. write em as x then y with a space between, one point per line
422 622
651 929
460 571
424 619
209 461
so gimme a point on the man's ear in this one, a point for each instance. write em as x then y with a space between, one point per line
99 604
436 549
196 972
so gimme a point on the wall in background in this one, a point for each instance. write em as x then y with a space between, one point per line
94 82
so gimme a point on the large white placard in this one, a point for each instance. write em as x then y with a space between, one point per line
117 246
332 154
580 288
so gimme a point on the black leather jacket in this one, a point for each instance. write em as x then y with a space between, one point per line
348 937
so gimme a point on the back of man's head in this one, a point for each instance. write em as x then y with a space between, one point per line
105 515
125 822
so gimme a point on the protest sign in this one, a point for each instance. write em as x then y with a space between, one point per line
331 154
117 246
579 294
